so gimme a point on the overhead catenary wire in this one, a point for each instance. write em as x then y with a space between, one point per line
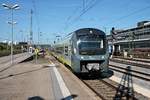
90 5
73 14
70 17
37 18
130 14
87 9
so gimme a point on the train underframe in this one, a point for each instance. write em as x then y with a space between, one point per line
91 66
97 67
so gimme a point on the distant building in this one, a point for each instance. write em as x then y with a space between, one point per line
142 23
137 38
14 42
5 41
23 43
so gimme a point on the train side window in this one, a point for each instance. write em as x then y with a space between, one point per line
102 44
59 50
66 50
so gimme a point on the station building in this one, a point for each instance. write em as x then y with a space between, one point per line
134 40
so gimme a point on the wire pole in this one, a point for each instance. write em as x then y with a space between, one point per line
31 32
12 23
38 37
84 4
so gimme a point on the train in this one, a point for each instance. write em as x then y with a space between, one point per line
84 50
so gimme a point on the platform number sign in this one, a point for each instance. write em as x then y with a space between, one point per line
36 51
36 54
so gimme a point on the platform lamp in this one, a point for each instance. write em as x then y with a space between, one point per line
11 8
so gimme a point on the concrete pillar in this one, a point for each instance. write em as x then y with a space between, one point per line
119 48
113 48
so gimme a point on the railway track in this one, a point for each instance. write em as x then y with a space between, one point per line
134 63
101 89
134 59
109 90
134 73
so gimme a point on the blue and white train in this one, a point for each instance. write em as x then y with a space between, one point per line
84 50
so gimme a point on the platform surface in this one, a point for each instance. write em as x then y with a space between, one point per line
43 80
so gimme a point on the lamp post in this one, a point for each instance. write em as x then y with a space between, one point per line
40 38
11 7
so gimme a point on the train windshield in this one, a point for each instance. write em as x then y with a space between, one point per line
91 44
90 37
91 47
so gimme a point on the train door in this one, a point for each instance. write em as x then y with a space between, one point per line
69 51
73 53
66 50
30 49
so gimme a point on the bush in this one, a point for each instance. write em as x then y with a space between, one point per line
7 52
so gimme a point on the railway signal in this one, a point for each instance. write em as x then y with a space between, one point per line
113 38
36 54
113 33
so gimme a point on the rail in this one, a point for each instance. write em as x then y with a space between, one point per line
131 63
106 90
133 73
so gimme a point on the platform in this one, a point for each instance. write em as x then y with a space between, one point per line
44 80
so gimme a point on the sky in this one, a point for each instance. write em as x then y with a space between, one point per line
52 18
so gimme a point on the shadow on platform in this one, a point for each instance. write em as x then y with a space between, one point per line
35 98
21 73
70 97
125 88
28 59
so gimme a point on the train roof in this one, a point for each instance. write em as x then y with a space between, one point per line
81 32
86 30
89 31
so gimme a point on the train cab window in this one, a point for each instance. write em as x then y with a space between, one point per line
92 47
69 49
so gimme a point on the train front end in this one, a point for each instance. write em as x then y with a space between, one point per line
91 51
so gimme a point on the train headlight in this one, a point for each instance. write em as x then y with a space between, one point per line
82 57
75 51
103 57
78 42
